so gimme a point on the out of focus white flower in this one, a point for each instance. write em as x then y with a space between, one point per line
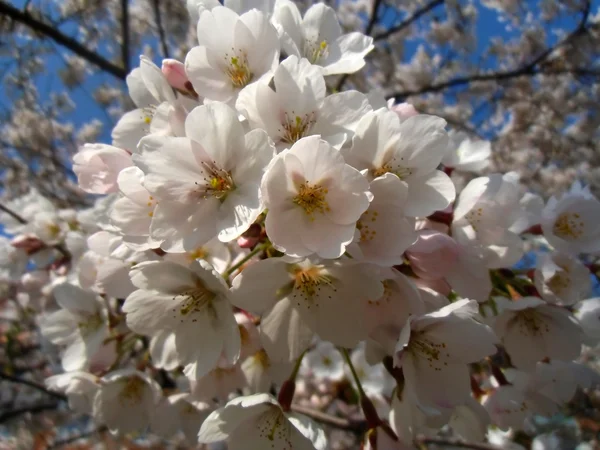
80 325
466 154
561 279
126 401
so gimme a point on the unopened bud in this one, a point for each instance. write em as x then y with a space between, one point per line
174 72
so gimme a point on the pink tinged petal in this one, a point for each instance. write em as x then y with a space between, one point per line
278 188
319 159
256 288
353 48
239 210
430 193
258 153
174 73
348 196
217 129
208 79
182 227
163 276
470 277
255 34
130 217
170 167
155 81
130 184
340 113
150 311
284 228
283 332
443 387
326 239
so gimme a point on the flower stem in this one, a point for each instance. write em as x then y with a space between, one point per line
288 388
346 356
245 259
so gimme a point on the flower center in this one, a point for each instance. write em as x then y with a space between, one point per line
430 351
238 70
132 391
194 300
296 127
308 281
568 226
90 325
314 50
262 359
217 182
199 253
148 112
530 323
311 198
272 425
400 172
559 282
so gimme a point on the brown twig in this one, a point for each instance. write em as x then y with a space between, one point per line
356 426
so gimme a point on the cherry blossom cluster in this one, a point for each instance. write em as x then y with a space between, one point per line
261 238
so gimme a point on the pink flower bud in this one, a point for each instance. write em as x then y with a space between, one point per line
404 110
29 243
174 72
433 255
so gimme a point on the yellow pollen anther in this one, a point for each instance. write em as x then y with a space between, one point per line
132 391
309 281
239 71
568 226
312 199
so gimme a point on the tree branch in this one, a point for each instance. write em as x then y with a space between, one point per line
27 409
450 442
526 70
33 385
72 439
161 31
125 32
406 23
13 214
57 36
356 426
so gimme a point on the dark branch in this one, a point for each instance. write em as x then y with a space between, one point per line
13 214
161 31
406 23
368 30
33 385
72 439
529 69
357 426
125 32
27 409
449 442
57 36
